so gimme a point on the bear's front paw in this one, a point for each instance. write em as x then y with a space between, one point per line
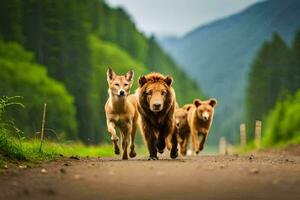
174 153
125 157
153 158
160 145
201 147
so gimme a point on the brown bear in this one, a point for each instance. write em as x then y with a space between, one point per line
200 118
156 105
183 127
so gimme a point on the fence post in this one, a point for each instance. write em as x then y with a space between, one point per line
43 126
222 146
257 133
243 134
229 149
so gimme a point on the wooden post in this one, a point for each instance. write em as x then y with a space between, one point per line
243 134
222 146
257 133
43 126
229 149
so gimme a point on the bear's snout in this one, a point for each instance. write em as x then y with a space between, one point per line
205 116
156 106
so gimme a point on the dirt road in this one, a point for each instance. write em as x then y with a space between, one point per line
203 177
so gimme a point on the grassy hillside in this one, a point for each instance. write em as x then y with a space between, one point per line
21 76
218 55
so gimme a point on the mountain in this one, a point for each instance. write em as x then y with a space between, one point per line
218 55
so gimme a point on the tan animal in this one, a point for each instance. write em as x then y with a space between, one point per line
156 105
200 118
121 111
181 115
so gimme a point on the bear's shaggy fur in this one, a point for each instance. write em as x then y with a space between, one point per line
200 118
183 136
156 105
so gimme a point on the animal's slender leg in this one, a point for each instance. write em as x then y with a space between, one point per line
174 150
114 137
125 137
132 152
168 142
195 141
184 145
201 146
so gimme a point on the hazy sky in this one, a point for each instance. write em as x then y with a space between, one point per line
177 17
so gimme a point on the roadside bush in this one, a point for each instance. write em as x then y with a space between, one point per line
283 122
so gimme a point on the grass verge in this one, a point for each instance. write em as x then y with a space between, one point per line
13 150
250 147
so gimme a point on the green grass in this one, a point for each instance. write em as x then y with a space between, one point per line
279 145
13 150
245 149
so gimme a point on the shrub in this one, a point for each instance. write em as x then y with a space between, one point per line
283 122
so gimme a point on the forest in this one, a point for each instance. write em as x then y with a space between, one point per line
57 52
273 91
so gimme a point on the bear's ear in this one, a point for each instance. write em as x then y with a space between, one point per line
168 80
142 81
129 75
197 102
110 74
213 102
187 108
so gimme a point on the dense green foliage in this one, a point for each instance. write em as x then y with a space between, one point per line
283 122
56 31
20 75
76 41
9 148
274 74
219 55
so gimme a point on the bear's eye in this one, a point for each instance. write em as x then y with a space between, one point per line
117 84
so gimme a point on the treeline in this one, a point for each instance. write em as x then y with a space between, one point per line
20 75
273 79
75 41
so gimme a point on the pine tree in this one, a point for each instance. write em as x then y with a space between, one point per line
11 20
269 80
56 32
295 71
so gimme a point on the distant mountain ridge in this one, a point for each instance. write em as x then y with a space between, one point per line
218 55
